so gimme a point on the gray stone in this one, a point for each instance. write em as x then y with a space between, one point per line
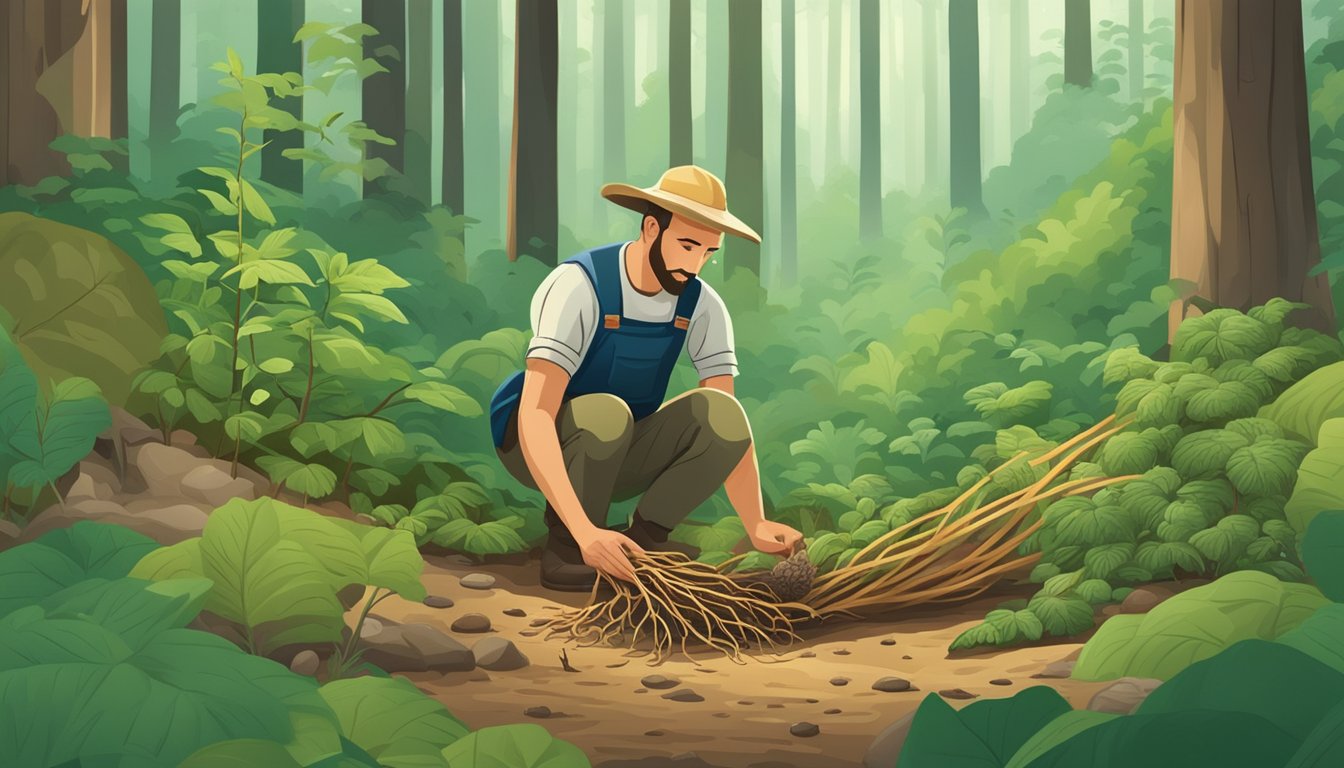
957 693
498 654
805 729
886 748
839 681
539 712
438 601
101 475
1056 670
162 467
417 647
841 652
892 685
167 524
477 581
515 612
304 663
471 622
1144 599
85 487
1001 681
214 487
807 655
370 629
658 681
1123 696
831 711
888 641
683 694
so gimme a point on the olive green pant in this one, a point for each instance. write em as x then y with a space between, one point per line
677 456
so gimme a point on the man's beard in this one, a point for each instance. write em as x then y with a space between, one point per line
660 270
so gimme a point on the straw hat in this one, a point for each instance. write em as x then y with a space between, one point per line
687 190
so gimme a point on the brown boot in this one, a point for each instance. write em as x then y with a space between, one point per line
653 537
562 566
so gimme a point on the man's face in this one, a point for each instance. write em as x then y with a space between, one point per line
679 253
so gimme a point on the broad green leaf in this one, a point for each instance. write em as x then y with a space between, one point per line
1056 732
64 557
1320 478
1223 334
985 733
444 397
1323 553
1304 407
1203 455
390 718
1223 739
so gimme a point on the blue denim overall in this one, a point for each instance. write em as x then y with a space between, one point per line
632 359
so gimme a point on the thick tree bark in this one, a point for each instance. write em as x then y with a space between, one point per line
482 84
533 223
58 77
420 102
1019 65
870 120
614 75
453 189
745 177
277 23
679 83
118 103
716 86
1136 35
788 141
932 136
963 41
384 93
1243 224
1078 42
165 73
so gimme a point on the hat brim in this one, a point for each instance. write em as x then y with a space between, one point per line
635 199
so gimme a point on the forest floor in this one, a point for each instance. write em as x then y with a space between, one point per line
747 710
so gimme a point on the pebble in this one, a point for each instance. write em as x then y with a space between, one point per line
477 581
641 690
514 612
841 652
888 641
658 681
811 701
471 622
542 712
807 654
538 622
439 601
839 681
683 694
774 706
831 711
804 729
304 663
721 714
747 702
957 693
907 658
892 685
654 733
1001 681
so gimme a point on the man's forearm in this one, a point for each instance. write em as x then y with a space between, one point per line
744 489
540 444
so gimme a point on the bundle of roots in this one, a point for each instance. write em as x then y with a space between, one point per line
949 554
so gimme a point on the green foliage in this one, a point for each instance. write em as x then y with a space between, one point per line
524 745
392 721
1320 478
1323 553
64 557
1304 407
1195 625
986 732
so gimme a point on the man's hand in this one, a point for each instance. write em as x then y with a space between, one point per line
605 550
775 538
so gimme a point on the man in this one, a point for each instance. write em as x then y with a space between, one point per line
585 421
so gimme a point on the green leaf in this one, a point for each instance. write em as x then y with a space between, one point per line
1061 616
1125 364
986 733
1323 553
1223 334
1128 453
1304 407
444 397
513 746
1203 455
390 718
1095 591
1056 732
1319 636
1320 478
1325 744
44 450
489 538
1227 740
64 557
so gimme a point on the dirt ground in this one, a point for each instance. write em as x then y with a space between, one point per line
744 720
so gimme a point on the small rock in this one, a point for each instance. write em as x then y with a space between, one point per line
888 641
370 628
214 486
163 467
1144 599
747 702
471 622
498 654
892 685
839 681
530 632
1056 670
641 690
886 748
658 681
683 694
1001 681
907 658
1123 696
774 706
811 701
540 712
831 711
957 693
416 648
477 581
538 622
9 531
304 663
514 612
805 729
841 652
438 601
721 714
807 655
654 732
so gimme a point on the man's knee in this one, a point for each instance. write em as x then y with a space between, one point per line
602 422
721 416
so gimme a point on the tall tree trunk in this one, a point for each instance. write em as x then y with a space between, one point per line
932 136
788 153
118 106
963 47
452 107
420 102
1243 223
165 75
277 23
1019 65
915 144
716 86
745 178
533 224
614 73
481 72
835 16
384 93
58 76
679 84
870 120
1136 36
1078 42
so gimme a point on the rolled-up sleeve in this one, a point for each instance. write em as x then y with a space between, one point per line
709 339
564 316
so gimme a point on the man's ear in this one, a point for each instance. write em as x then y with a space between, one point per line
649 227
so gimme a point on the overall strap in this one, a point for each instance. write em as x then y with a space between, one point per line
690 296
603 267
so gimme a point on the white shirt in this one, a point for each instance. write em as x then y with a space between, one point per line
565 316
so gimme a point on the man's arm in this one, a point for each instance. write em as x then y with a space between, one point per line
743 486
544 386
